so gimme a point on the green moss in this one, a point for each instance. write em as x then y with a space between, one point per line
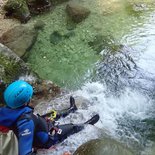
18 9
11 69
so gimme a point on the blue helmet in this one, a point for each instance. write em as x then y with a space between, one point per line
17 94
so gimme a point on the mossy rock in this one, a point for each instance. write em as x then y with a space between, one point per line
103 147
22 9
11 65
17 9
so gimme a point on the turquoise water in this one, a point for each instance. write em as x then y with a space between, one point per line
71 60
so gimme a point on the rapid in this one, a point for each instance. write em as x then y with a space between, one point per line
124 98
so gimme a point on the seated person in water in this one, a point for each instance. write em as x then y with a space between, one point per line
34 131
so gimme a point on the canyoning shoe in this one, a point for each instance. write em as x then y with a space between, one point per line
93 120
72 104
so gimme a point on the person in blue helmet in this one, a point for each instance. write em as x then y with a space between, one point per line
34 131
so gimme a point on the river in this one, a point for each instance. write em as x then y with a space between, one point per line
123 101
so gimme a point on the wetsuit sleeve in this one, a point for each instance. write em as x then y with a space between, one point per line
25 135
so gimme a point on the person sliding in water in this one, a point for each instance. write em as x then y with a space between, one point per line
34 131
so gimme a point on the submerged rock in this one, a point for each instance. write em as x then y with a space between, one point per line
103 147
101 42
39 25
19 39
56 37
77 12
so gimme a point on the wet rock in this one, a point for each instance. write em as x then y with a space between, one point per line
17 9
103 147
22 9
19 39
38 6
77 12
44 90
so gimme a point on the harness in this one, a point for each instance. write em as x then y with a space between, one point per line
39 122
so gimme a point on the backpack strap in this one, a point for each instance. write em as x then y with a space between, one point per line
27 116
4 129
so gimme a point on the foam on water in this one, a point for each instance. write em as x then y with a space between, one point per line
111 108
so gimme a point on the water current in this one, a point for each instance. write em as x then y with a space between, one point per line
123 94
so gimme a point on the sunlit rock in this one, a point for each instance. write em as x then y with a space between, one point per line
19 39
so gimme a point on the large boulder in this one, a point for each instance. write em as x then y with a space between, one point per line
103 147
22 9
19 39
17 9
77 12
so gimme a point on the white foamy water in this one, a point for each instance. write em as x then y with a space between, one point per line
130 103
